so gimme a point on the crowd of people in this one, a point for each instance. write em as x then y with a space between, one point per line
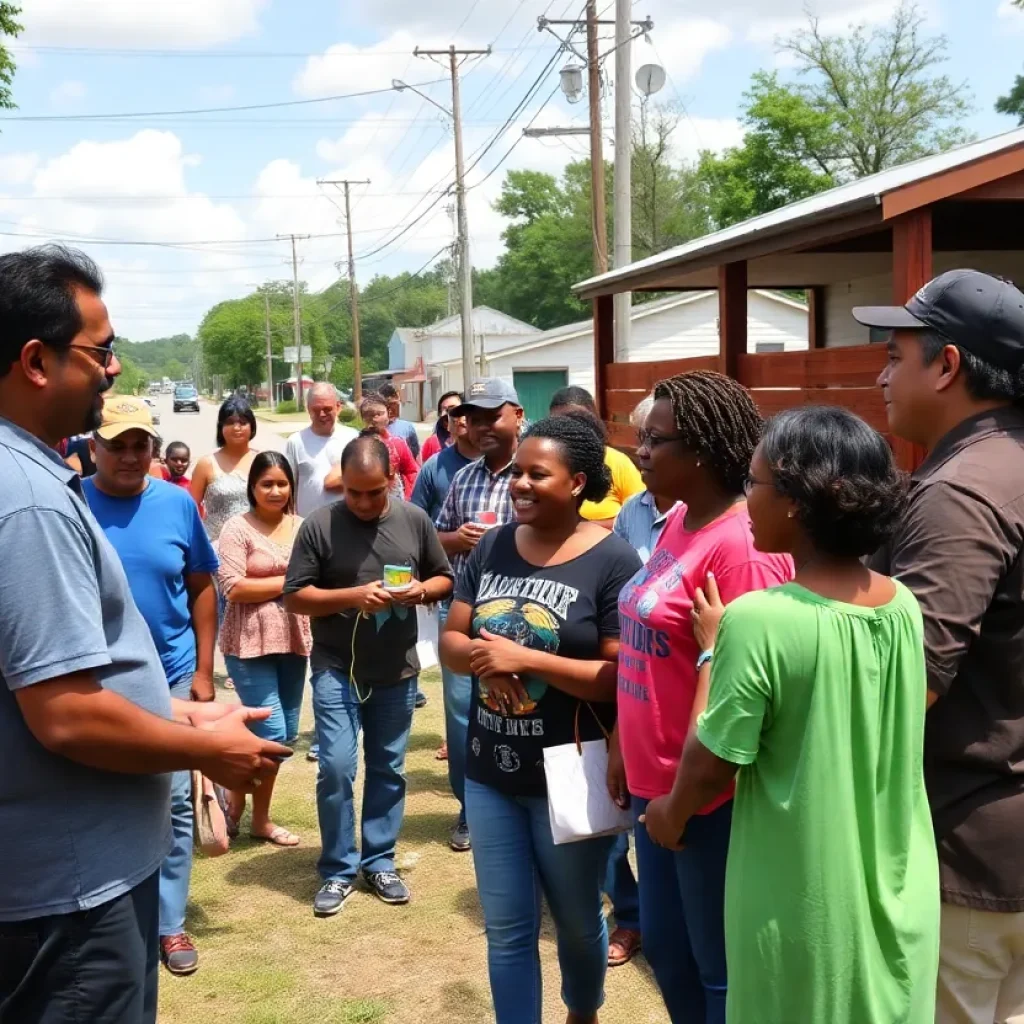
803 669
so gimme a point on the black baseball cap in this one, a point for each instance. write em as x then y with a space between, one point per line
487 393
981 314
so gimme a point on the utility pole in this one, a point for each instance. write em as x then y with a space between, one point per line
596 144
623 220
465 265
353 290
270 354
296 315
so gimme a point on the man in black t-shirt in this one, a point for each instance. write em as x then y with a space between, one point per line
364 663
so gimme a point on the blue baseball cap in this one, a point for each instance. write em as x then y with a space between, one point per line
487 393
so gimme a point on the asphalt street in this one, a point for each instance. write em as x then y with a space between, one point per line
199 430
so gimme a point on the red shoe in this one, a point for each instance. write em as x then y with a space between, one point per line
623 945
178 954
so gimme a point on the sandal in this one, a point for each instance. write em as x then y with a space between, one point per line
224 800
279 837
442 753
623 945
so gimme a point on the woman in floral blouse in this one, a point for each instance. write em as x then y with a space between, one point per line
265 647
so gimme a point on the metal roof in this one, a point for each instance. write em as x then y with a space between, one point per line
862 194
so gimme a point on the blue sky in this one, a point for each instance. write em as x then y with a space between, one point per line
220 187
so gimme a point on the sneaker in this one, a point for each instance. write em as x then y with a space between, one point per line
178 954
332 895
459 839
421 699
387 887
313 754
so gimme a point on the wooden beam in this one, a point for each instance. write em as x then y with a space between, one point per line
732 316
911 254
816 317
912 269
1004 188
604 348
954 182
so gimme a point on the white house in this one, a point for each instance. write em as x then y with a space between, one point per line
684 324
430 358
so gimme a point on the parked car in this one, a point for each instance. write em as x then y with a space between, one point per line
153 410
186 397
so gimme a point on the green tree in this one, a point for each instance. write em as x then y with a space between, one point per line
11 28
865 100
233 341
131 379
1013 102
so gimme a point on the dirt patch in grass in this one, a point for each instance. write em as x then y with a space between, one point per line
266 960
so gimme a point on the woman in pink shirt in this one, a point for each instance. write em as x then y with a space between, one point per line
265 647
696 449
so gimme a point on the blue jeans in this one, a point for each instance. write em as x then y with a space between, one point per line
275 681
386 721
176 870
516 862
458 696
682 913
620 886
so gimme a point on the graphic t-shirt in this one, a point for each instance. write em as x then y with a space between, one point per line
160 540
658 656
563 609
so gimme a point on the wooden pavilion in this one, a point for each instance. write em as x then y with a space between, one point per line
874 241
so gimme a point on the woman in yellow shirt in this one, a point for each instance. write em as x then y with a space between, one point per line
626 481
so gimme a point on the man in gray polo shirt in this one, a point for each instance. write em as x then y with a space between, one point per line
88 729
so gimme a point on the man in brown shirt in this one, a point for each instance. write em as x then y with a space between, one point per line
954 384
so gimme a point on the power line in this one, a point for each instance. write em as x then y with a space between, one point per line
86 51
210 110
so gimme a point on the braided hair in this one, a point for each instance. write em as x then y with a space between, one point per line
717 419
583 450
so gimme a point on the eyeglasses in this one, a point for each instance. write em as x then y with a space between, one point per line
750 482
652 441
106 356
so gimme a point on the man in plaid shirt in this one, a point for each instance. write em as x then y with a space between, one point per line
477 500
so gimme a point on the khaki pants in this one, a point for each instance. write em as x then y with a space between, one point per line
981 967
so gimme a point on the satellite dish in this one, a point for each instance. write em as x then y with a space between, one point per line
650 79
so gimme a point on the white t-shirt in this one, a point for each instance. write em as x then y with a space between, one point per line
312 457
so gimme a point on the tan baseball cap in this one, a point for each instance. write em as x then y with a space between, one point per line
122 413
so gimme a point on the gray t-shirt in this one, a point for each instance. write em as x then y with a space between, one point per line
75 837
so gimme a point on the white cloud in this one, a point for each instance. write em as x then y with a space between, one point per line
118 23
683 45
695 134
66 94
1013 14
17 168
348 68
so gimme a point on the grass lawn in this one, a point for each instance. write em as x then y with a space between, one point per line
267 960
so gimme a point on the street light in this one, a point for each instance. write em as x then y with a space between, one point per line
570 78
399 86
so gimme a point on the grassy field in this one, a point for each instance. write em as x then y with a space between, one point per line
267 960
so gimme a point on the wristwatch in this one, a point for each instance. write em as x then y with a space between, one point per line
705 657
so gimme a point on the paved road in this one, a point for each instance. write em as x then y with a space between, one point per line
199 432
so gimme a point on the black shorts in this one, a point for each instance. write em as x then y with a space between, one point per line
96 965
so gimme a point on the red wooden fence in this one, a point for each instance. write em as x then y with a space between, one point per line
777 381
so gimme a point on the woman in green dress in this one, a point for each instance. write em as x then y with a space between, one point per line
816 704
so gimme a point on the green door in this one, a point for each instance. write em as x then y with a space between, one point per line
535 388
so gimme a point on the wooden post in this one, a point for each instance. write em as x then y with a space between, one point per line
816 317
732 316
912 268
604 349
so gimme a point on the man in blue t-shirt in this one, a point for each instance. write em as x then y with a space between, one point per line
157 532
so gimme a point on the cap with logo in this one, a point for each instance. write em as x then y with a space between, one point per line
122 413
981 314
487 393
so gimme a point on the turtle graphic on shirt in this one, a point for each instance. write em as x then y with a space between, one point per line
527 624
